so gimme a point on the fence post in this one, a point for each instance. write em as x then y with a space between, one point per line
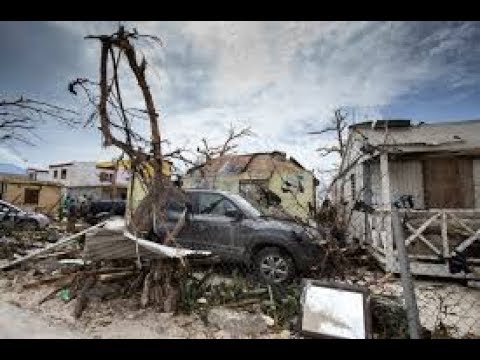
406 277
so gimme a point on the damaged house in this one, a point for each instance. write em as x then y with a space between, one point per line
269 180
431 172
35 195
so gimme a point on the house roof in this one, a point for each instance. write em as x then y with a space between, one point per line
37 170
448 136
237 164
26 181
60 164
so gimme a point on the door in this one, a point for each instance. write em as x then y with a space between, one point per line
448 183
214 225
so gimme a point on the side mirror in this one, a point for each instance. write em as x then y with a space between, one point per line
234 214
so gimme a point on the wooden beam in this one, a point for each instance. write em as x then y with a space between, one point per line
460 248
59 243
387 205
446 250
461 223
424 240
421 229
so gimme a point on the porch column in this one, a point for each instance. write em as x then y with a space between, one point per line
386 207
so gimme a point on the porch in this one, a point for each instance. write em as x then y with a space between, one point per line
433 239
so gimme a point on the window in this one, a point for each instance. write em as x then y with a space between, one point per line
214 204
31 196
55 174
104 176
31 176
63 174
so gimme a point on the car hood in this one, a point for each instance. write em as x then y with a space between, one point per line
272 224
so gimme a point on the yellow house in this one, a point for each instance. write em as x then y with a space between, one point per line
265 179
135 189
35 195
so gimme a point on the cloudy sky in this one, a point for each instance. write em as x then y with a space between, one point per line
282 78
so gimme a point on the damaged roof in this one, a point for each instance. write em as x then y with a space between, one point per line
237 164
451 136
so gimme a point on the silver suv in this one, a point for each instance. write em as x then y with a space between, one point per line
12 216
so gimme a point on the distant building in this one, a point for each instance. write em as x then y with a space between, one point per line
97 180
35 195
38 174
268 180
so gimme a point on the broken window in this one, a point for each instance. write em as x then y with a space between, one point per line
31 196
104 176
55 174
214 204
63 174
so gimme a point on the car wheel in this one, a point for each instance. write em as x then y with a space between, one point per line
29 225
274 266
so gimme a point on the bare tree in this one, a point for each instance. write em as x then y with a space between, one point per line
210 152
338 125
19 117
117 124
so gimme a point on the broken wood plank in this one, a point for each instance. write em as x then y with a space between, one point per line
55 254
47 281
421 229
82 297
166 251
52 294
115 276
145 298
61 242
73 261
243 303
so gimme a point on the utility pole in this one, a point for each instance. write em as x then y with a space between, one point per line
406 276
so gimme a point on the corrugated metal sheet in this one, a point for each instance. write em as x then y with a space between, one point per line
108 245
406 178
452 136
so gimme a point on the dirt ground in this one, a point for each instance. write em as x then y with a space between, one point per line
21 316
450 306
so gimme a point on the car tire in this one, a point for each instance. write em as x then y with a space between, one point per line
274 266
28 225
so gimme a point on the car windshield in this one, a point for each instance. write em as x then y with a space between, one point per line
246 206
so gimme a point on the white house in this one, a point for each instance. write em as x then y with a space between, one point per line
434 171
98 180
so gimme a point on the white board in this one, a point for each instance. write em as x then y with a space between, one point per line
333 312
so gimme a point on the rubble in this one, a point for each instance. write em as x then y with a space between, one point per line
389 317
237 324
